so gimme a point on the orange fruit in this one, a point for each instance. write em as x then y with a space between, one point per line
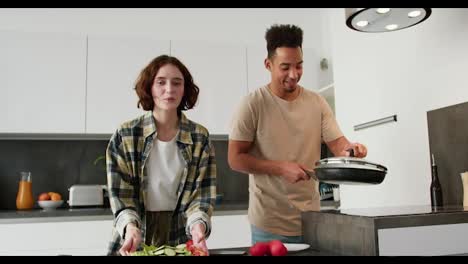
43 197
56 197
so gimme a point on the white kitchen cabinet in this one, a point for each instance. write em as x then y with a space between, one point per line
92 237
228 231
258 75
42 80
311 74
328 92
56 238
219 70
114 64
432 240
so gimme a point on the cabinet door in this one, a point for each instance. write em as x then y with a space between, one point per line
311 69
56 238
229 231
430 240
42 80
259 76
113 67
220 72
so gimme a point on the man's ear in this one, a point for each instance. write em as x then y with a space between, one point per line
267 63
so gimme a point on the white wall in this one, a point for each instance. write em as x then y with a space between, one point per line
407 73
326 76
239 25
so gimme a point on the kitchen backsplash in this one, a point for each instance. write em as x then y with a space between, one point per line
231 184
56 165
448 141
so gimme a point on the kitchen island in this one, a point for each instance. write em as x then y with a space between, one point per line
388 231
243 251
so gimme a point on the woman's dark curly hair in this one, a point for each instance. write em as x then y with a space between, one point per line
283 36
146 78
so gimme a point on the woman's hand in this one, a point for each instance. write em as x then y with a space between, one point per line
198 236
132 240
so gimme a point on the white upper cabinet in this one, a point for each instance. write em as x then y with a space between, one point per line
311 70
219 70
328 92
113 66
42 82
258 75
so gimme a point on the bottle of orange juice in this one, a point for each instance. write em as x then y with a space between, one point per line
24 198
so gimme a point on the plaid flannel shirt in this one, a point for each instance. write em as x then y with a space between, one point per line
126 155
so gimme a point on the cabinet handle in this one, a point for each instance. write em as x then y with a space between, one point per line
384 120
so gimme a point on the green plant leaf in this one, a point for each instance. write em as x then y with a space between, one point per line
98 159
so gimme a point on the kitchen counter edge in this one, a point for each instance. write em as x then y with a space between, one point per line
86 214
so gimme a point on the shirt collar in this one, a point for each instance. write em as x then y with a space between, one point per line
185 135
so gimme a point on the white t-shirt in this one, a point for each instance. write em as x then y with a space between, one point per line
165 167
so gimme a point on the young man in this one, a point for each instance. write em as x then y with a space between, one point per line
276 135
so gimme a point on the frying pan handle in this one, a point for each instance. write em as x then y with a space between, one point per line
351 152
312 174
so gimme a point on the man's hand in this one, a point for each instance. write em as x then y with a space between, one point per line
293 172
198 236
132 240
360 151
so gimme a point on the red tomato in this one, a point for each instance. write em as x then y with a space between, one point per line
260 249
189 244
277 248
196 251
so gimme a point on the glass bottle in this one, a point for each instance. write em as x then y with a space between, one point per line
436 188
24 198
464 177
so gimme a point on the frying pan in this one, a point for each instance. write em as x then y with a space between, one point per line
348 170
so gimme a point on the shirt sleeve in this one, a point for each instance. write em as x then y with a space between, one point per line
330 128
123 187
243 124
201 207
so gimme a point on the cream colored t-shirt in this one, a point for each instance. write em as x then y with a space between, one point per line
288 131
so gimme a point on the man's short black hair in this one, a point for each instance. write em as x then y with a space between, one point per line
283 36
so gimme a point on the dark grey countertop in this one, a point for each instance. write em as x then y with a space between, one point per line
231 207
237 252
398 211
57 215
403 216
91 214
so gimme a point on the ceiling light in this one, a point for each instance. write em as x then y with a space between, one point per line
414 13
383 10
362 23
391 26
379 19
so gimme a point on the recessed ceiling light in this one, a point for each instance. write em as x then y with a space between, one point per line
383 10
391 26
414 13
362 23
